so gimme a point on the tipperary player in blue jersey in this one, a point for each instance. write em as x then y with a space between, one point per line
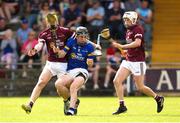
80 54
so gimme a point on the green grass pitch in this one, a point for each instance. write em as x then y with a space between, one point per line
91 109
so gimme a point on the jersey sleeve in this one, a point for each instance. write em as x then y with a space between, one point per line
41 37
138 33
67 32
90 51
68 45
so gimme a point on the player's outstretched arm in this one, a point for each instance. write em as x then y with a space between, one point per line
105 33
36 48
134 44
120 47
96 46
117 45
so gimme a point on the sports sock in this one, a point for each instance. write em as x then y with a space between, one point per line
31 103
157 98
67 99
121 102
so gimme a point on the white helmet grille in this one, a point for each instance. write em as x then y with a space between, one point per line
132 16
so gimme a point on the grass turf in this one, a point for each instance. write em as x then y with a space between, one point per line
91 109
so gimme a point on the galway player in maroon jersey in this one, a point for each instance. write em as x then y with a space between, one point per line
55 35
134 63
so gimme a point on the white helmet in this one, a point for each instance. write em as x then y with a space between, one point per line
132 16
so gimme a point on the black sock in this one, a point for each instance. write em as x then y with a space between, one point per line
72 109
157 98
67 99
121 103
31 104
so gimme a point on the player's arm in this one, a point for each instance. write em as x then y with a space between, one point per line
90 58
96 46
37 47
138 36
63 52
136 43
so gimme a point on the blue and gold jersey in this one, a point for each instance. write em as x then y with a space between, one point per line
77 54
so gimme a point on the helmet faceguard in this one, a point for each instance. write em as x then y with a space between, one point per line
132 16
82 31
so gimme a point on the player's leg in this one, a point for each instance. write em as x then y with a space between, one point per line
109 71
42 82
96 76
139 70
120 76
139 81
62 85
75 86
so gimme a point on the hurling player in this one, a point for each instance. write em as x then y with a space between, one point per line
134 63
80 57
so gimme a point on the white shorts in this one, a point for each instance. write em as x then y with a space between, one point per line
136 68
56 68
74 72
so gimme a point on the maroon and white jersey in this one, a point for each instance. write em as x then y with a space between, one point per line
62 34
135 54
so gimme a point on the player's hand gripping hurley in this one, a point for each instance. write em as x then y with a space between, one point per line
105 33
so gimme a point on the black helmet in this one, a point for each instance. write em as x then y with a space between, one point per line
82 31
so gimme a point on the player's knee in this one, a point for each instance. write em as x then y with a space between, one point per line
58 85
115 81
